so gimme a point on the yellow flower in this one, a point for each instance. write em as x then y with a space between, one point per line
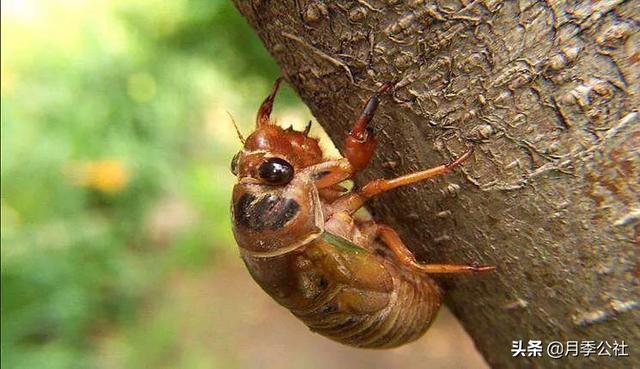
109 176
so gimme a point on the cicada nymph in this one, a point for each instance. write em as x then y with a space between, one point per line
349 279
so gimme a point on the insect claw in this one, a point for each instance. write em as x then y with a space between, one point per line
307 129
481 268
267 105
461 159
386 87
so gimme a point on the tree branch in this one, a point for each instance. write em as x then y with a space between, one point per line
548 93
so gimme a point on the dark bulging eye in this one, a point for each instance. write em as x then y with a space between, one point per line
234 164
276 171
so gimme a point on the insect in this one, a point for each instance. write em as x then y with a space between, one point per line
349 279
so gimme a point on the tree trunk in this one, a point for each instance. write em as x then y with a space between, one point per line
548 94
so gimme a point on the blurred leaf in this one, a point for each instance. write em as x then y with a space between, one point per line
109 109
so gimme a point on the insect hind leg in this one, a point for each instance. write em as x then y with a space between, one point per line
391 239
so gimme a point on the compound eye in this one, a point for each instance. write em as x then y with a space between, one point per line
234 164
276 171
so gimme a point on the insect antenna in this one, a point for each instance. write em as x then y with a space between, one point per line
236 127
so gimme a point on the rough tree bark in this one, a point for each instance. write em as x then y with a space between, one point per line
548 93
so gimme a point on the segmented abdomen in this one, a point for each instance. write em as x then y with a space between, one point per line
410 309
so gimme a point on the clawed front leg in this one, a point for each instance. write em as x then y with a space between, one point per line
391 239
264 112
358 148
360 141
329 173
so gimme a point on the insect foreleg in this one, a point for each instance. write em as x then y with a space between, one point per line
329 173
267 105
360 141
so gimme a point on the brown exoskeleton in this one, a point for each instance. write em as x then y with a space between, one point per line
349 279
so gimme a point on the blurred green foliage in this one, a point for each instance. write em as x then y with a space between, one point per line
114 130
